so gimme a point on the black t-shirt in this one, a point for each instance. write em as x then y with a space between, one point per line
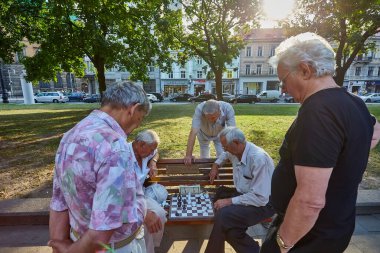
333 129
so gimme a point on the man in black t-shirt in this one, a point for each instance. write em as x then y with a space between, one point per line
323 156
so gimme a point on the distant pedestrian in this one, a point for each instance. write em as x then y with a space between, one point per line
323 155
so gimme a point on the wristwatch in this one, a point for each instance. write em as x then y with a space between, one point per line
154 160
281 243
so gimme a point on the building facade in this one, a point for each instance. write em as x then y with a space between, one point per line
363 76
256 74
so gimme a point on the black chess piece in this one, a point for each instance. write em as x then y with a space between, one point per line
179 203
177 213
184 207
198 200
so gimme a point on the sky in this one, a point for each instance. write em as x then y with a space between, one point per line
275 10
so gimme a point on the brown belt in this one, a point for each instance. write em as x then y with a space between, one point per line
116 245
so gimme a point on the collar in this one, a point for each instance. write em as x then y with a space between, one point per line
110 121
134 160
245 153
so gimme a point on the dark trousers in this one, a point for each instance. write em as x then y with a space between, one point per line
308 244
231 223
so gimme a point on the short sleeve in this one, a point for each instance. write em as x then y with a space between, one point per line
319 139
230 119
196 124
58 202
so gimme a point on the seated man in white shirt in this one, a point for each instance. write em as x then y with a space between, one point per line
252 172
145 157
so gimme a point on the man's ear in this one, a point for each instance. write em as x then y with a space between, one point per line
306 71
132 109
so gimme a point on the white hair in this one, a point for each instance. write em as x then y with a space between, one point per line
232 133
309 48
210 107
148 136
125 94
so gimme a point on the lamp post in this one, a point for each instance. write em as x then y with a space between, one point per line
237 80
10 80
5 94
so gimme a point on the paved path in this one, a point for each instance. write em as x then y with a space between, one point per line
33 238
16 238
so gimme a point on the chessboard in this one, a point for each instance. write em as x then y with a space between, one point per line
190 206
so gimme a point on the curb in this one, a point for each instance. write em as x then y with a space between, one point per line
35 211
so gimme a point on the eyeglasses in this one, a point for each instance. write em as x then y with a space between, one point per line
282 81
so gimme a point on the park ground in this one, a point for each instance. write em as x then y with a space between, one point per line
30 134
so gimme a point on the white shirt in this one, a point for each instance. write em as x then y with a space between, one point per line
141 172
227 117
252 175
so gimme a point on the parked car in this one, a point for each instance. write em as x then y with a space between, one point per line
227 97
269 96
288 98
152 98
94 98
181 97
371 97
202 97
244 99
76 97
158 96
53 96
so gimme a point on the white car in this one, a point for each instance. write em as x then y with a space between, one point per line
371 97
51 97
227 97
152 98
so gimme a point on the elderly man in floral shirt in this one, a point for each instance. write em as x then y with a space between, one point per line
98 202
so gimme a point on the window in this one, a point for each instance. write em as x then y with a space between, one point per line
171 75
248 53
378 71
151 68
272 51
260 51
357 71
258 69
229 74
199 74
271 72
199 61
183 74
247 69
370 71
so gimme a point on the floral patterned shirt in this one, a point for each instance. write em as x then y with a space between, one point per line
94 178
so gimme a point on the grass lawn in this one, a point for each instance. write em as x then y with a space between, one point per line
30 134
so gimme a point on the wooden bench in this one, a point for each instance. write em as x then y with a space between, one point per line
173 172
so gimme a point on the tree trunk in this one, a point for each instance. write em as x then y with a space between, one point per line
218 83
339 76
99 64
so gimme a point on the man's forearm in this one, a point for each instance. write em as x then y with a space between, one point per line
300 217
190 143
59 225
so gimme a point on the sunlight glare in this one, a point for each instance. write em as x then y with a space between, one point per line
275 10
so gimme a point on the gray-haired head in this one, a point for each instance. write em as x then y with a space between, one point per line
210 107
308 48
231 134
148 136
124 94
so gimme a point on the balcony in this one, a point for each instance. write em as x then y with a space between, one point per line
263 73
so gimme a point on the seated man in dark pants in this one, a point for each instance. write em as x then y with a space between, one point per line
252 172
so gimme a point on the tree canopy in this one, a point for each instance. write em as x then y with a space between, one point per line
114 33
15 19
346 24
215 31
